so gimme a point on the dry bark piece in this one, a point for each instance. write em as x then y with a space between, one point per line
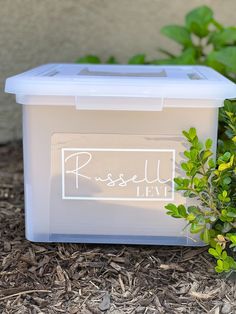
172 266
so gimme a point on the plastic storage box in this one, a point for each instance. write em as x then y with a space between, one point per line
103 143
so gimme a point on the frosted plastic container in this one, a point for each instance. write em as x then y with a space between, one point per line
103 143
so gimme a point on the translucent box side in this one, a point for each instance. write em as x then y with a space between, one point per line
41 123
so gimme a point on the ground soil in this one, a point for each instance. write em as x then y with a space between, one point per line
78 278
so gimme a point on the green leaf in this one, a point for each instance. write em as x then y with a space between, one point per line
226 227
227 180
186 183
188 56
226 36
193 154
214 253
185 133
232 237
198 20
184 166
196 228
193 209
206 236
178 33
213 62
190 217
213 218
89 59
171 207
192 133
178 181
227 58
226 265
226 156
224 255
200 220
220 266
231 212
173 211
182 211
224 211
208 143
229 106
224 166
231 262
211 163
137 59
218 249
206 155
219 269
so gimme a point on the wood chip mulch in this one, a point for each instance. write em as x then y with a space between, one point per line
95 279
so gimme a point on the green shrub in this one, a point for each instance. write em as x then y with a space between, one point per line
213 184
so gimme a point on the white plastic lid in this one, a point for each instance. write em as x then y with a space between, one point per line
149 81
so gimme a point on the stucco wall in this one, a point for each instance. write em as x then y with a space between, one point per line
33 32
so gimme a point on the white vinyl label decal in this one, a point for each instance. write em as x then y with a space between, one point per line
118 174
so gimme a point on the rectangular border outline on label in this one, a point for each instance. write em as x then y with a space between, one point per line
88 198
